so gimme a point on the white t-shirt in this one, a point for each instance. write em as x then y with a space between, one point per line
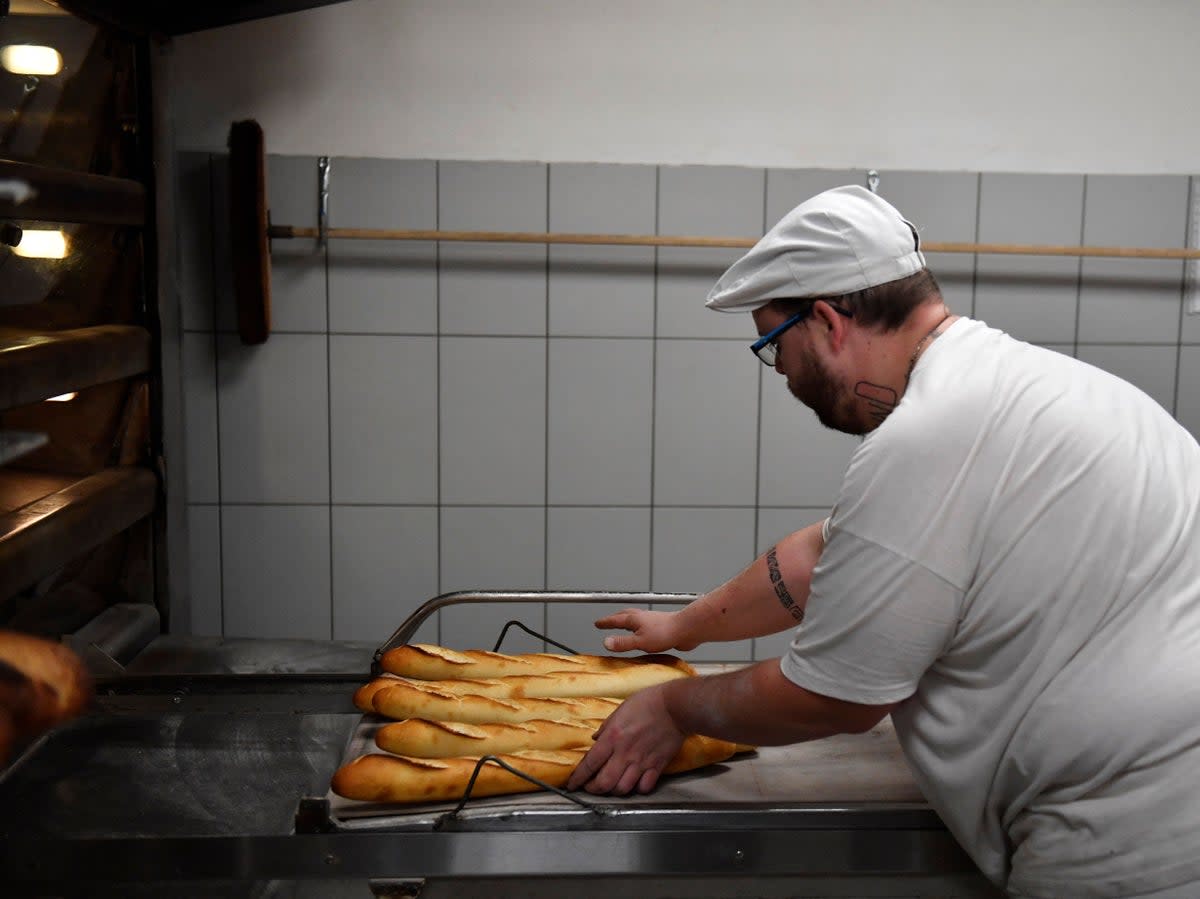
1015 553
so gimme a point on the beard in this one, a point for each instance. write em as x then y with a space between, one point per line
816 387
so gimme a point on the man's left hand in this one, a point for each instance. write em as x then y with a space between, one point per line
632 747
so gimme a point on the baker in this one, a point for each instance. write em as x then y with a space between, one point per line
1011 571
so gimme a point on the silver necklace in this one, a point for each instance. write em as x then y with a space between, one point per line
912 363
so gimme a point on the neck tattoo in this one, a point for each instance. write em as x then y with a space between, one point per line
912 363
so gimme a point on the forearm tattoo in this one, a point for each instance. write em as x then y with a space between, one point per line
880 400
781 589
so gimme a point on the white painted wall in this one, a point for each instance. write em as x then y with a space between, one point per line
975 85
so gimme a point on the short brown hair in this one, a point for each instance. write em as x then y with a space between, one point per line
886 305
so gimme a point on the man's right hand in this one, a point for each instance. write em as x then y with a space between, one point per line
649 631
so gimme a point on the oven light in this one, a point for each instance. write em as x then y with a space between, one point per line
30 59
42 245
63 398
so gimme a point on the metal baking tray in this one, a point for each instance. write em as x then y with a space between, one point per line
850 771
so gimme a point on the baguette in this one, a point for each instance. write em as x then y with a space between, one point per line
364 696
385 778
449 739
425 661
53 682
408 699
560 684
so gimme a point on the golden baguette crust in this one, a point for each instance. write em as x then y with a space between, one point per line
420 738
364 696
426 661
385 778
559 684
407 699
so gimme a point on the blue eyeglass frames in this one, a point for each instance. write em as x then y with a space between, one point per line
766 348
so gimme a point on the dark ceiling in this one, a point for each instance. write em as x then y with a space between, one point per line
170 17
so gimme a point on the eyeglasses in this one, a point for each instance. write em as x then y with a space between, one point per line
766 348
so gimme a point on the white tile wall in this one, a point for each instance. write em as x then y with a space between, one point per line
493 548
1152 368
384 567
194 247
1133 300
476 626
1190 330
602 291
275 562
492 288
600 419
801 462
943 207
383 286
705 422
299 298
204 571
703 201
382 414
274 418
483 417
219 291
1033 298
698 549
1188 411
493 420
200 417
598 549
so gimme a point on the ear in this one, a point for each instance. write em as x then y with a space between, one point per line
835 327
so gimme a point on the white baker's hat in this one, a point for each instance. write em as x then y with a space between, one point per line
837 242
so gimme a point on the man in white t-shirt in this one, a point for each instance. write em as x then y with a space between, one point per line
1011 570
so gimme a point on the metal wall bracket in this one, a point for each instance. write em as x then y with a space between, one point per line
322 200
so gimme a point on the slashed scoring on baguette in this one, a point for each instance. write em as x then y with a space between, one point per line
384 778
426 661
410 700
447 739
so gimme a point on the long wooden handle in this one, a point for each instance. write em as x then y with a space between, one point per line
285 232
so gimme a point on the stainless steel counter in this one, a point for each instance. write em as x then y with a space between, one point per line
206 767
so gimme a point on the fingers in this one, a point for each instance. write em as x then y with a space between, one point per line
603 772
628 781
618 777
622 619
615 779
595 759
648 781
621 642
626 619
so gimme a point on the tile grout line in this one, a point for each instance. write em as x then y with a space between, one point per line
212 218
654 377
437 381
975 256
329 424
1189 271
1083 205
546 425
758 421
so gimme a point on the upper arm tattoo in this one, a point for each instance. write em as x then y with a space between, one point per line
781 589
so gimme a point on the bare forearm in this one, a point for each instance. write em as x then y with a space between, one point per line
751 705
766 597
